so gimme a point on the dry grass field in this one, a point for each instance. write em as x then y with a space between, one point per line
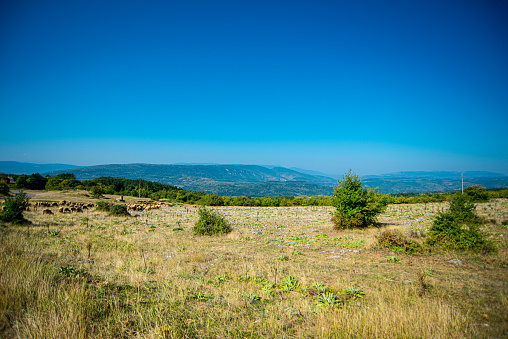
282 273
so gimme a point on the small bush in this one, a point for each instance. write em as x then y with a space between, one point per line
103 206
398 242
119 211
458 228
211 223
14 208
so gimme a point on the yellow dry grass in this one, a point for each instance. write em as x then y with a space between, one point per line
149 280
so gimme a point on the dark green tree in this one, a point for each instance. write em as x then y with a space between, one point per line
14 208
458 227
21 181
4 187
98 190
36 182
477 193
356 206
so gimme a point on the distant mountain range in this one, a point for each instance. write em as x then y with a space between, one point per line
259 181
232 180
15 167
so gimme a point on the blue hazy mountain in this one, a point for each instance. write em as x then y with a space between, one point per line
14 167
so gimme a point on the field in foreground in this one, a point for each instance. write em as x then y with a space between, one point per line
282 273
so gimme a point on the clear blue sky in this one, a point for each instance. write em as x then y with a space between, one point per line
376 86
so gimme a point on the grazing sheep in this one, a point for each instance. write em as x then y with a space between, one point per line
47 211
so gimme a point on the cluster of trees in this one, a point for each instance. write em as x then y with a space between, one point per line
157 191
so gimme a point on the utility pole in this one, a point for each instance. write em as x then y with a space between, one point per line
139 189
462 176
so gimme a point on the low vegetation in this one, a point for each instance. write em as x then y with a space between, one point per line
396 241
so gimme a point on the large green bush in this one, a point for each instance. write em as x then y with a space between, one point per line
119 211
211 223
103 206
14 208
4 187
458 228
356 206
477 193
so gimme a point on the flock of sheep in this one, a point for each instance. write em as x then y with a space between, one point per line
64 206
78 207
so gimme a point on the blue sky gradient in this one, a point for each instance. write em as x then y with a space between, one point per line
323 85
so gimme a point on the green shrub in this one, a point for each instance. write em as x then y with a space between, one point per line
4 187
119 211
211 223
477 193
398 242
14 208
458 228
356 206
103 206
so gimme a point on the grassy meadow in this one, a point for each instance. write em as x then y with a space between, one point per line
282 273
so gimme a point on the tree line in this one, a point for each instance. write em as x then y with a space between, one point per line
157 191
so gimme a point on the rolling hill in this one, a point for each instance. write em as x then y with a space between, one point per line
259 181
232 180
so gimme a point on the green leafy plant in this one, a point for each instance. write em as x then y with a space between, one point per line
219 280
354 292
320 288
211 223
147 270
328 299
71 271
252 297
283 258
356 207
393 259
54 233
289 283
244 277
202 297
